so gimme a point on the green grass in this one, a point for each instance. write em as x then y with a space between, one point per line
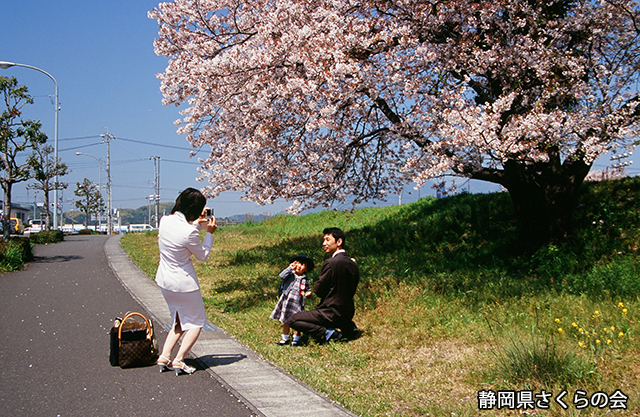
447 305
14 253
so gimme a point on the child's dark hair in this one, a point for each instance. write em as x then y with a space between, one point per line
336 233
190 202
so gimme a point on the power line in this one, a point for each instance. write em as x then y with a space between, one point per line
180 162
79 147
155 144
79 138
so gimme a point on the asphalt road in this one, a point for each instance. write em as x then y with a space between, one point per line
54 351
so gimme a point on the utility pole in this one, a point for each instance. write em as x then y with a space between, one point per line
107 138
156 186
35 202
61 218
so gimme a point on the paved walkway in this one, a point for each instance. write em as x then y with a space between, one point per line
54 354
263 387
56 314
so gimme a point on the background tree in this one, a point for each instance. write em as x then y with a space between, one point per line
16 137
91 201
320 101
44 170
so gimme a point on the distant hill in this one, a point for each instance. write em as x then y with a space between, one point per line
146 215
247 217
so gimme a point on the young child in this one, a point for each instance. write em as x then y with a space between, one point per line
295 288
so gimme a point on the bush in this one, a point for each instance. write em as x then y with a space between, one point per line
540 362
87 232
14 253
44 237
616 279
536 360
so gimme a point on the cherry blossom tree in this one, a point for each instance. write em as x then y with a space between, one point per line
332 100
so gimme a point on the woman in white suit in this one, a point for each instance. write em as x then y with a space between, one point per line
178 240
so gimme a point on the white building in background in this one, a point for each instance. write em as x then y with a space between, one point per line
17 212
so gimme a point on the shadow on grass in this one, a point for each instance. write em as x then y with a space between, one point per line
465 246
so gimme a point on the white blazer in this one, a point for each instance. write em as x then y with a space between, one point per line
178 240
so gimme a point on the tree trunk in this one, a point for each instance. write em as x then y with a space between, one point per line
544 198
7 211
86 218
46 209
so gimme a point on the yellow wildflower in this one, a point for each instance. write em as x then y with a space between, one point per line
613 328
597 341
608 341
574 324
620 305
624 311
582 345
557 321
620 334
560 330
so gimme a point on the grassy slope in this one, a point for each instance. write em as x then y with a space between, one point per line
443 299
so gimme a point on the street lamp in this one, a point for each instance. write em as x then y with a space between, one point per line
99 182
7 65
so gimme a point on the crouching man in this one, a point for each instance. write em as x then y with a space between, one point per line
336 287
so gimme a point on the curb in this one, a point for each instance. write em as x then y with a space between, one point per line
264 388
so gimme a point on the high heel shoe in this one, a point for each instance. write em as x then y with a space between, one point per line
179 366
164 366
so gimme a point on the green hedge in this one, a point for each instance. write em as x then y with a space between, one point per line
44 237
14 253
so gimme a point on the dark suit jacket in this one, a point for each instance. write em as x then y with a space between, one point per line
336 287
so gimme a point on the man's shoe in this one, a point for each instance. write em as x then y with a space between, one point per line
352 332
283 342
336 336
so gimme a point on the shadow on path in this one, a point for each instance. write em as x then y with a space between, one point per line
211 361
55 259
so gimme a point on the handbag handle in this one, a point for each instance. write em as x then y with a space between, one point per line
133 313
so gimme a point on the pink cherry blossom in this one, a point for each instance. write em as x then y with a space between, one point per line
323 101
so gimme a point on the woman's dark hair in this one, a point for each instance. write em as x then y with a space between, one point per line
190 202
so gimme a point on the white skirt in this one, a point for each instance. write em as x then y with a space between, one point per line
187 308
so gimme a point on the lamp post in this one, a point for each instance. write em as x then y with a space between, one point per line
99 182
7 65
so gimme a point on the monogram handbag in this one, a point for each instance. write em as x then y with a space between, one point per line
133 342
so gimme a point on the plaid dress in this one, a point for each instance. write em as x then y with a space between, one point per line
290 302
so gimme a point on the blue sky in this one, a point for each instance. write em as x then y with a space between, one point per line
101 55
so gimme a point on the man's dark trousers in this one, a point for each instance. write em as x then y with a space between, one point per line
313 323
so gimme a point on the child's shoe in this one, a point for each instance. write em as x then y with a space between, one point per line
284 340
296 341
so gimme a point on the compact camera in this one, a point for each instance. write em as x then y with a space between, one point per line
208 213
